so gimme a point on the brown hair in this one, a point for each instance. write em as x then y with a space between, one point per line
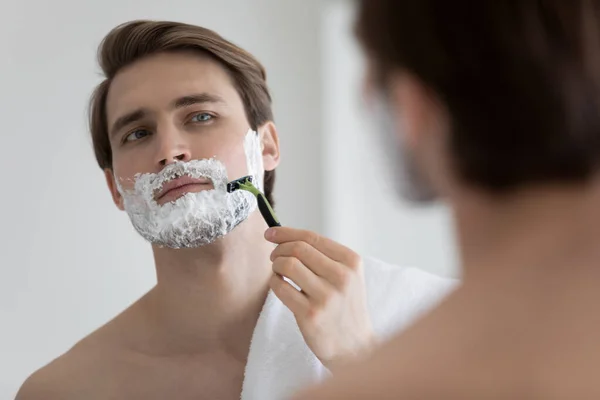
132 41
520 79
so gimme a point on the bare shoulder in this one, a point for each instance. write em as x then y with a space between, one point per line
444 355
84 370
65 378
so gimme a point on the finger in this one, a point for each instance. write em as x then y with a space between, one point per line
326 246
314 287
292 298
319 264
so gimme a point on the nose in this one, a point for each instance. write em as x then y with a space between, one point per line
172 148
177 156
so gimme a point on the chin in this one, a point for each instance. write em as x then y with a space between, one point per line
191 239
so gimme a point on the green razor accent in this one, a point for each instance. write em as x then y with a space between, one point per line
264 206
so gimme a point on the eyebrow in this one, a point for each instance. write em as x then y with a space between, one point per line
197 99
185 101
127 119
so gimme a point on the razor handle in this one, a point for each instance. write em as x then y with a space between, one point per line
267 212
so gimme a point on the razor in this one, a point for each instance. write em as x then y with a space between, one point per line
264 206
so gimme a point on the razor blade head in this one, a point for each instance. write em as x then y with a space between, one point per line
235 185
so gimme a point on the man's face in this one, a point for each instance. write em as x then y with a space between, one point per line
174 107
178 132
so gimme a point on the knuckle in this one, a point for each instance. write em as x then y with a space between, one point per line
327 301
305 247
323 300
312 238
295 249
354 261
313 313
309 237
343 277
299 249
288 265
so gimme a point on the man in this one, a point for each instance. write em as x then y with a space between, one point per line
182 112
496 105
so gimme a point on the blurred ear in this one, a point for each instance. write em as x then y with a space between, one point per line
422 123
112 186
270 145
416 111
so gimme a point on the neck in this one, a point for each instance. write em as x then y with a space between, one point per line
530 282
547 231
210 297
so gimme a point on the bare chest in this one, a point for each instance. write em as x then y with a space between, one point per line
210 377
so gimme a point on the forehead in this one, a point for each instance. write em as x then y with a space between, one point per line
155 81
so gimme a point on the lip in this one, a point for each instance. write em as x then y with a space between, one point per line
180 185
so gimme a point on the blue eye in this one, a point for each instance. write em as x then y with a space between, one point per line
202 117
136 135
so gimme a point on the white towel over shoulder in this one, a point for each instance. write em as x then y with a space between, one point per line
280 362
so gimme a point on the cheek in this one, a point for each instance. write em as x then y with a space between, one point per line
235 161
125 172
228 148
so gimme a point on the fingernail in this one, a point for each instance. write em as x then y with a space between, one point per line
269 234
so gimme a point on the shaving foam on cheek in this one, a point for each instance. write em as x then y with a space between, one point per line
194 219
253 149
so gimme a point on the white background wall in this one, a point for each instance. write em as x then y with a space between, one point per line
69 261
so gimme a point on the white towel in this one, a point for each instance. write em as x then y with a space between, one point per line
280 363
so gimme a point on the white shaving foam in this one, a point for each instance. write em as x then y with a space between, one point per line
194 219
253 149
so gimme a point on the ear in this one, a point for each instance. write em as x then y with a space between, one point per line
422 124
269 141
416 111
112 186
